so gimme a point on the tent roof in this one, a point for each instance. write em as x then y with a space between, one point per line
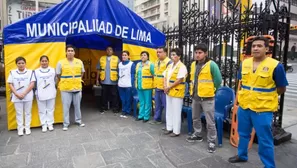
74 18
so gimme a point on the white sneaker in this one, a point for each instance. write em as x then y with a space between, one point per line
28 131
124 116
81 124
21 132
65 128
44 128
50 128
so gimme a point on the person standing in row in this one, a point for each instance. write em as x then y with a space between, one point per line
126 83
206 78
263 79
21 82
70 72
107 71
46 93
160 97
144 84
174 84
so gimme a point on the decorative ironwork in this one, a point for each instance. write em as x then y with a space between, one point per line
223 25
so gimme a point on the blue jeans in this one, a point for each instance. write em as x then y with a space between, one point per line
247 119
126 98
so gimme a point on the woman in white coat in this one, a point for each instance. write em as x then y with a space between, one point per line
21 82
46 93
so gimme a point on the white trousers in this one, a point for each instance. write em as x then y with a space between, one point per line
46 110
173 114
21 108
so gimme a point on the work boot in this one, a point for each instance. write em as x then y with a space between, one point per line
236 159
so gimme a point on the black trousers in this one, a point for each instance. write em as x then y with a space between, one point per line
110 94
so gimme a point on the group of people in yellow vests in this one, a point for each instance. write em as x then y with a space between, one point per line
262 77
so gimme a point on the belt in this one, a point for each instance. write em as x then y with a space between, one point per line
205 98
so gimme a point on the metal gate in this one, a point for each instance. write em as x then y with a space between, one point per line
223 25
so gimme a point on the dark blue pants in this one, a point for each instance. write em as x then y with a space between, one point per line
126 98
247 119
160 102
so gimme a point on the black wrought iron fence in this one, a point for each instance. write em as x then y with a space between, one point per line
223 25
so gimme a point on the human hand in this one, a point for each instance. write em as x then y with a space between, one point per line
166 90
22 95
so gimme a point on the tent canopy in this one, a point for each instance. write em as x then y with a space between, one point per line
76 22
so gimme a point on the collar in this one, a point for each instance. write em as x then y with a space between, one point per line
19 72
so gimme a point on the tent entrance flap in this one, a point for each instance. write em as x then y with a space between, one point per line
89 49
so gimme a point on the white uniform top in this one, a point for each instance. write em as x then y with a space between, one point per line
45 83
125 75
20 82
182 73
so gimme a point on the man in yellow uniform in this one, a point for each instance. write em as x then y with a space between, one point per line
107 72
160 97
205 79
70 72
262 80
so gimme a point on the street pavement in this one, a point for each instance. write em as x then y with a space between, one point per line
109 141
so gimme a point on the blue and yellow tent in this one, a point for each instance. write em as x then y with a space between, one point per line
89 25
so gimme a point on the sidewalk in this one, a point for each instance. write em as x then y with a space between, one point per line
109 141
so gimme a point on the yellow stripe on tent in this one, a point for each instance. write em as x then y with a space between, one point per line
135 51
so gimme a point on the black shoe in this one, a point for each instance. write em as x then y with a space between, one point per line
102 110
211 147
115 111
236 159
145 121
166 132
138 119
194 138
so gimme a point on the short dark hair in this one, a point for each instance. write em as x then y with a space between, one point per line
70 46
177 51
261 38
164 49
202 47
20 58
127 52
44 56
109 47
145 52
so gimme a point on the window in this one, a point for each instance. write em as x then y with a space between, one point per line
293 16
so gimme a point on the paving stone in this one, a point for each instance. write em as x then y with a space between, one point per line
20 140
69 152
155 134
80 139
95 146
184 155
88 161
117 165
119 142
38 165
102 135
138 163
64 163
14 160
43 145
115 156
160 161
216 161
40 136
195 164
43 156
141 151
122 131
4 139
140 138
8 150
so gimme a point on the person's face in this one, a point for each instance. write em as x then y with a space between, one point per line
70 53
44 62
125 56
258 49
144 57
21 65
161 53
109 51
174 57
200 55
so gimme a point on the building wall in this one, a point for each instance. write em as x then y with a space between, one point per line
16 10
128 3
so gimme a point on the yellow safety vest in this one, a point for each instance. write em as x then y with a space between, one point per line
71 75
159 69
114 62
206 86
258 90
179 90
146 76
